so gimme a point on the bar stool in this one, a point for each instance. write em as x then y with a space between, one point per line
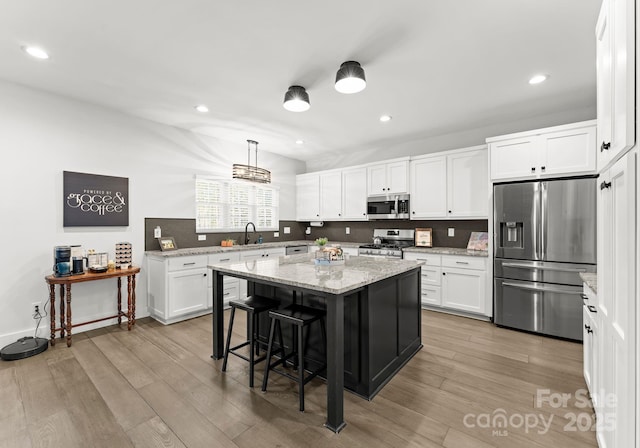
254 306
300 317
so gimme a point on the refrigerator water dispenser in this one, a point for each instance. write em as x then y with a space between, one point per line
511 234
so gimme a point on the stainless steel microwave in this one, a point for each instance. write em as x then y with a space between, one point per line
388 206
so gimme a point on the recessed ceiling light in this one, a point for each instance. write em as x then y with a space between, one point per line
385 118
36 52
299 142
202 108
537 79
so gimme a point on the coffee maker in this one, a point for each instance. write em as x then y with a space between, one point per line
62 261
77 260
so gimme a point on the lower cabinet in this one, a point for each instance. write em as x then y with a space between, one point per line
590 345
453 282
180 288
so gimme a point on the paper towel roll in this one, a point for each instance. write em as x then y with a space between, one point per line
316 223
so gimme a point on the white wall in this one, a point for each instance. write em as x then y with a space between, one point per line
418 145
42 135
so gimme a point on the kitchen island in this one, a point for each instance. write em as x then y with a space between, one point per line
373 316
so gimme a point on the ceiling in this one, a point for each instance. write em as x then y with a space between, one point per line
437 67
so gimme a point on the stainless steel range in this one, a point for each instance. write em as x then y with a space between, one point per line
388 243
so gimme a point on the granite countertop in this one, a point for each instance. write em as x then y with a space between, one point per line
591 280
448 251
300 271
219 249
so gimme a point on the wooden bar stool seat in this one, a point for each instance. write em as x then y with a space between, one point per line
300 317
254 306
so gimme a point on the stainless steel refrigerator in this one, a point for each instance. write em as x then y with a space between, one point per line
544 236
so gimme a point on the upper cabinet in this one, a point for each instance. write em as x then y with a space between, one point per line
549 152
388 178
615 66
332 195
450 185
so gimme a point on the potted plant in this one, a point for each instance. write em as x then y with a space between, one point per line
321 242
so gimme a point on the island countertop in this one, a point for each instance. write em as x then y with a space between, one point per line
300 271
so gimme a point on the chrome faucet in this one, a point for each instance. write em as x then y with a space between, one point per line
246 231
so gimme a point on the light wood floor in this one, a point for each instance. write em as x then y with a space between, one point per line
157 386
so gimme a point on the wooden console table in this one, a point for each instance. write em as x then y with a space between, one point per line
65 285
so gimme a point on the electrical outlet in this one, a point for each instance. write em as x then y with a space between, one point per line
157 232
307 231
287 230
347 230
452 231
202 237
276 234
35 307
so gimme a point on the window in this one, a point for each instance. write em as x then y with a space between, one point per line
228 205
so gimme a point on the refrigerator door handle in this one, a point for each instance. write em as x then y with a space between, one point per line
543 268
543 220
539 288
535 224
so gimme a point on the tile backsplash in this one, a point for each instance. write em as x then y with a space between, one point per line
184 231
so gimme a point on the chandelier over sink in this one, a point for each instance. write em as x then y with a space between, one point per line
252 173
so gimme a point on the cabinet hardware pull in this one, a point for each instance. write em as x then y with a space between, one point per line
421 259
588 328
444 273
462 262
605 146
592 308
449 211
225 259
226 293
533 169
604 185
188 264
205 274
584 297
543 168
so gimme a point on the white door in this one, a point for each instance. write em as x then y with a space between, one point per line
568 152
307 197
331 195
377 179
428 188
616 304
398 177
354 194
463 289
188 291
467 184
604 89
517 158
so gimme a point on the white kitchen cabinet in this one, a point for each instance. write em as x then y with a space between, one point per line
388 178
253 256
334 195
354 194
565 150
589 344
464 283
616 302
453 283
177 287
615 67
467 183
231 284
308 197
450 185
331 196
428 198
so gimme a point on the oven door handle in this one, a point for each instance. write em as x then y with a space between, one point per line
539 288
543 268
396 206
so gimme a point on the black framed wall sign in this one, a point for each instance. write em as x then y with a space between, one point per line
95 200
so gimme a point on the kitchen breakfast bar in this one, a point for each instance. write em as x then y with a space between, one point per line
373 316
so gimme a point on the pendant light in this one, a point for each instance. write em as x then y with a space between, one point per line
350 78
252 173
296 99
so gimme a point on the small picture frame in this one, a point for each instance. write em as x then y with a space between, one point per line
167 243
423 237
